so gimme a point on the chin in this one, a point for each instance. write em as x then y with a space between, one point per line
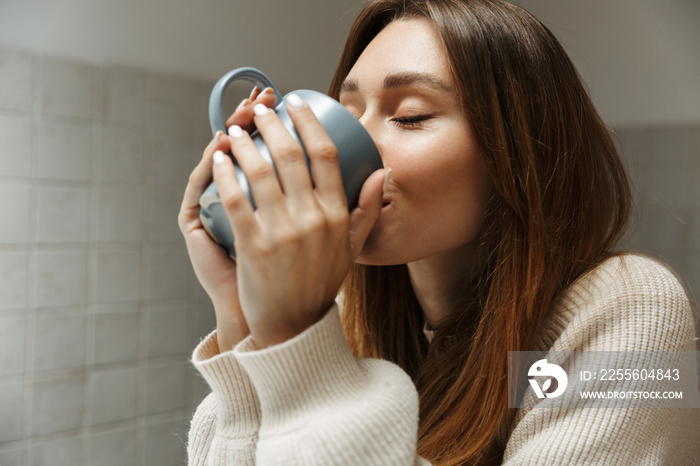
371 256
374 254
385 245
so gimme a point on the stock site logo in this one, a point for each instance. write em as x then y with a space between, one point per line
543 369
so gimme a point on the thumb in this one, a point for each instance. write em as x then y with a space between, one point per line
364 216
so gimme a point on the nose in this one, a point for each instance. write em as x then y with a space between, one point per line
372 128
375 135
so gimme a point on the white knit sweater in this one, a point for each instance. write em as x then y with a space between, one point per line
308 401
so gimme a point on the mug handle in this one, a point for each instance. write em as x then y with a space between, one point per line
252 75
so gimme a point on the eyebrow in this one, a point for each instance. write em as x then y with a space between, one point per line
404 79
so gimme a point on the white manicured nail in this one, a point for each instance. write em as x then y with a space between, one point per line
386 179
295 101
219 157
235 131
243 103
260 110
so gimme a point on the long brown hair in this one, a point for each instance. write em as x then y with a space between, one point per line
561 202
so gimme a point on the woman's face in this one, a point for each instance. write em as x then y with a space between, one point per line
402 91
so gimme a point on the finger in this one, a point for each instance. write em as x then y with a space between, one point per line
199 180
365 215
260 174
233 198
255 93
233 120
287 155
243 115
266 97
321 150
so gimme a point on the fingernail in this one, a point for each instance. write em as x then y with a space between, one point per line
235 131
260 110
295 101
386 179
243 103
219 157
267 90
218 135
254 93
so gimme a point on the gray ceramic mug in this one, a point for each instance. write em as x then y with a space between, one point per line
357 154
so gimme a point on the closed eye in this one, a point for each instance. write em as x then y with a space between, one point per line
411 121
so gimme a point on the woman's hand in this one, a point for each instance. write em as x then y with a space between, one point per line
214 269
295 250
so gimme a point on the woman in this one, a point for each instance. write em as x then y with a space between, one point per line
490 230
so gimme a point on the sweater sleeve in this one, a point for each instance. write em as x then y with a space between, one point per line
321 406
307 401
630 303
225 425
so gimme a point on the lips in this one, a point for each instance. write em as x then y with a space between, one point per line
385 204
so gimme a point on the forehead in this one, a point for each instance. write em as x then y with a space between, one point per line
407 45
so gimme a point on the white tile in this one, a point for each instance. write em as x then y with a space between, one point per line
16 79
174 157
13 279
116 337
661 226
115 308
173 101
64 152
687 266
121 155
15 146
672 189
12 454
124 96
66 88
119 216
11 412
57 405
165 443
64 215
15 212
171 274
672 147
200 109
59 342
694 232
58 452
116 448
118 276
205 319
12 337
634 147
165 389
61 278
167 332
200 389
165 206
113 395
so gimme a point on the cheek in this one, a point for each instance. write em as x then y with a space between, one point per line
445 195
451 170
457 173
452 201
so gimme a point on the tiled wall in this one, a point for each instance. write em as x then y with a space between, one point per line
99 308
664 164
